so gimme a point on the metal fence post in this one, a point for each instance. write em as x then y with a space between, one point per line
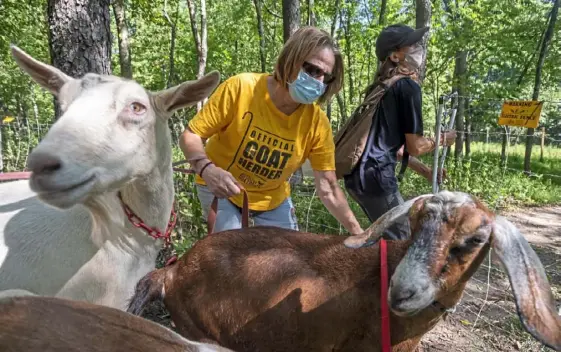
454 104
436 150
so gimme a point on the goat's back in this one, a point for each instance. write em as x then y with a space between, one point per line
47 324
266 288
269 254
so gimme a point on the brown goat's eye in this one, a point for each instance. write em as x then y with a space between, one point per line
475 241
137 108
455 251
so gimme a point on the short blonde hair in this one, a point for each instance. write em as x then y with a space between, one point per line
305 42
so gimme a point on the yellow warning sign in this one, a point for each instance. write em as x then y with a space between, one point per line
8 119
522 113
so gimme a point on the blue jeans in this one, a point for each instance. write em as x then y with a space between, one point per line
229 216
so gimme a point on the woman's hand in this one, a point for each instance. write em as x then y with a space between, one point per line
220 182
426 172
448 138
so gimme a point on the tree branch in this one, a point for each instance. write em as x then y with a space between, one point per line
334 23
194 29
529 62
271 12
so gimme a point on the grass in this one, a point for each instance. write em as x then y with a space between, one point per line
550 166
501 187
480 175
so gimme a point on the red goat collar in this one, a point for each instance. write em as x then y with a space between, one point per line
386 336
133 218
152 232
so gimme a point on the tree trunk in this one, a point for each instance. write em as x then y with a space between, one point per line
203 52
342 109
382 17
200 40
506 143
543 52
290 24
36 113
21 112
334 22
311 17
381 23
262 51
542 144
333 26
79 37
348 53
468 129
173 32
290 17
459 86
1 154
531 59
423 15
123 38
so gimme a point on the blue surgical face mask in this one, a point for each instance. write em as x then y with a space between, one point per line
306 89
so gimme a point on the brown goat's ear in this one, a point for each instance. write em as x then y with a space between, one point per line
187 93
376 230
47 76
534 299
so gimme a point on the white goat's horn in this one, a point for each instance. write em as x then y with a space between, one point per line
375 231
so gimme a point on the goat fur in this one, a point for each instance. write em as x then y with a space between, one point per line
48 324
64 233
270 289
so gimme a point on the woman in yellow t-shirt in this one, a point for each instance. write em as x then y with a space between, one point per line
260 128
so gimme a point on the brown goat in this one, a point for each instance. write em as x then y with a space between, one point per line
45 324
270 289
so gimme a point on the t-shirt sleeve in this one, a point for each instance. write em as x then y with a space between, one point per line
322 153
409 107
218 112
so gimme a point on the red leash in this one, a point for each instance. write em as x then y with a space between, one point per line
386 336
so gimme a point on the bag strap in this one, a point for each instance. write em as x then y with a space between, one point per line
405 159
404 163
381 89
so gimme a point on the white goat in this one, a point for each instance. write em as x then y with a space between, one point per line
64 233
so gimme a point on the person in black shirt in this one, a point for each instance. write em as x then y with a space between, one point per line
397 124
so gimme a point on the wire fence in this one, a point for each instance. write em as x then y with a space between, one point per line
487 308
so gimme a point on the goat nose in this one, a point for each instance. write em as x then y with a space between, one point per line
402 295
43 163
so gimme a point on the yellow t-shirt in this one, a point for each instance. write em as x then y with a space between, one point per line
257 143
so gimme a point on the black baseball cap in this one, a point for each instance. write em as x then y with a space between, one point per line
397 36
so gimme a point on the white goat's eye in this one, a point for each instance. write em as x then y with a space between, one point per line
137 108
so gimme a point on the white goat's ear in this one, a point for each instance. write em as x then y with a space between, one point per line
47 76
531 289
187 93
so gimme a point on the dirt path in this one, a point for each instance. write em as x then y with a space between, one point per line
486 318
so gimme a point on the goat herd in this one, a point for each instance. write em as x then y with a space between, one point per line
75 272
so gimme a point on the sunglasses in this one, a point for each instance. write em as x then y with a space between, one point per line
317 72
